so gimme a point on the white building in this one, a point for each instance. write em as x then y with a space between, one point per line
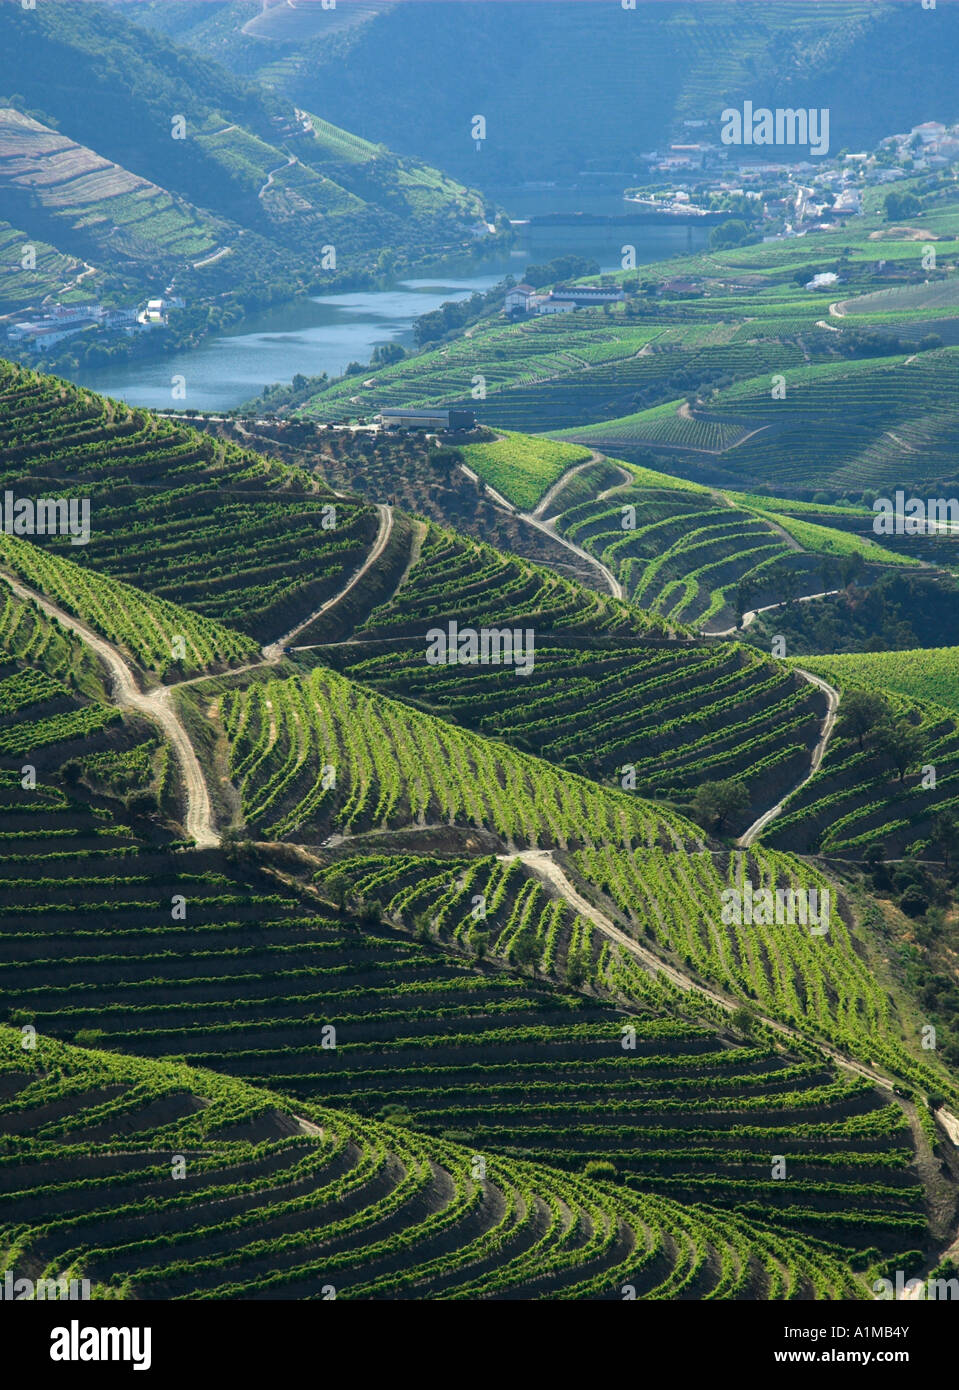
517 299
848 201
546 304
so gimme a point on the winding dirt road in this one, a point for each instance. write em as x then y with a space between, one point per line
750 617
548 528
274 651
832 695
156 705
542 863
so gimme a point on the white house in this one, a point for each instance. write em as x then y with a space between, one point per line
517 299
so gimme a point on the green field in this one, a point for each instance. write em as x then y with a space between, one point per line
930 674
522 468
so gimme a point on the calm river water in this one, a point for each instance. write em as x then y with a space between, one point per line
323 334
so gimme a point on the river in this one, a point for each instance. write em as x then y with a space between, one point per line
323 334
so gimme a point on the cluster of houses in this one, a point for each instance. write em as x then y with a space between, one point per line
931 145
524 299
64 321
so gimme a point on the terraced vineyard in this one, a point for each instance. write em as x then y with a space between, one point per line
579 369
858 799
252 981
450 918
319 752
385 770
452 579
658 718
521 468
275 1203
666 426
929 674
890 424
157 634
432 864
703 556
51 692
76 187
219 531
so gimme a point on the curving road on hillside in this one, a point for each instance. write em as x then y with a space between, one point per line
547 527
828 724
542 863
750 617
155 705
274 651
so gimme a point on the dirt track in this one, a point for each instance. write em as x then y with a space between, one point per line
156 705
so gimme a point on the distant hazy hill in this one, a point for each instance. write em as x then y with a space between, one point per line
99 172
584 85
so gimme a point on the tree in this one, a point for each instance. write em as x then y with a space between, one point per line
715 802
860 712
141 802
849 568
743 1020
444 460
384 355
526 950
732 232
945 835
900 744
900 205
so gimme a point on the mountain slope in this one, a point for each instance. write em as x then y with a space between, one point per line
159 151
264 1200
662 63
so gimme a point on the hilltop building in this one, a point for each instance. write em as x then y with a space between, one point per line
427 419
517 299
523 299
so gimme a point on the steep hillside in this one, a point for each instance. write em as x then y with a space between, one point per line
707 557
511 956
427 1034
883 788
268 1200
663 63
925 674
658 718
170 166
890 424
219 530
